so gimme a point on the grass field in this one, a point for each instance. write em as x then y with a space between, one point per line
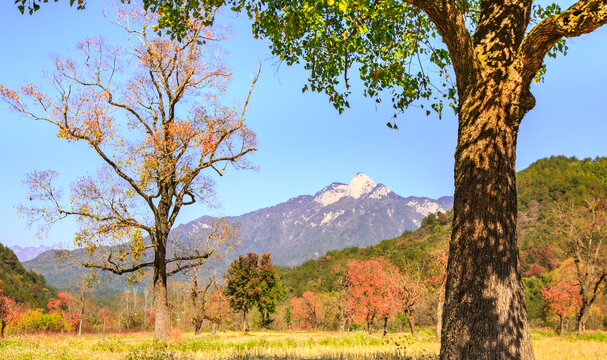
274 345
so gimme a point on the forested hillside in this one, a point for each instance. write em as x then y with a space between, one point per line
558 197
23 286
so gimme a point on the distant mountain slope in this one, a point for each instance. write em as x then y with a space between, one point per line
360 213
21 285
28 252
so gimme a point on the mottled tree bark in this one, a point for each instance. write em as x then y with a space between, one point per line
485 315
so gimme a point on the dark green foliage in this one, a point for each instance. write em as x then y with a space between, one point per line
542 187
561 179
252 282
23 286
533 297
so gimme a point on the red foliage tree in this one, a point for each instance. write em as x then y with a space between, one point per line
9 309
307 310
64 305
371 288
535 271
561 299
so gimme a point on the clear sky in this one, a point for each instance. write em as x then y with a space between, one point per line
304 144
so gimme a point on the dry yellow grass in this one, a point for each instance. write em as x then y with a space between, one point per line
273 345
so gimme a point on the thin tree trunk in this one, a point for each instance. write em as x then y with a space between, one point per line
162 319
213 327
560 325
2 327
411 320
197 324
485 315
385 326
80 326
369 325
245 326
439 312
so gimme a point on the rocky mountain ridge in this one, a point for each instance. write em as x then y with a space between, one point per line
360 213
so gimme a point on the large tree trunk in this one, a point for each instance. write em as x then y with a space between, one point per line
582 317
485 315
162 318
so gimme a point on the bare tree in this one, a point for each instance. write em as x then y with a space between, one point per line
153 114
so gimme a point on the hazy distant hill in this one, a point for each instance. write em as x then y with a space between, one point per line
28 252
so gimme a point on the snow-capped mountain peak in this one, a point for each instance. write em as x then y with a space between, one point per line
360 185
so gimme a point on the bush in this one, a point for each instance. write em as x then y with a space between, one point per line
36 320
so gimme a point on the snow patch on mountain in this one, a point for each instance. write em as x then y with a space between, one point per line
425 207
330 216
379 192
331 194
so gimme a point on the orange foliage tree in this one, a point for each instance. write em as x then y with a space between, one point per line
307 310
153 115
561 299
372 289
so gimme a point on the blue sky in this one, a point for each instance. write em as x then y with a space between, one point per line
304 144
